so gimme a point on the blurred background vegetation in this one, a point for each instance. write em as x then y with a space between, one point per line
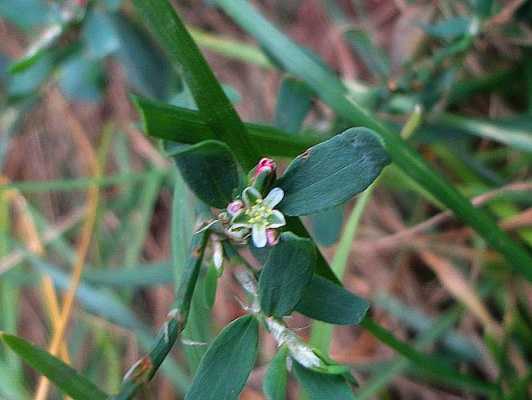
86 199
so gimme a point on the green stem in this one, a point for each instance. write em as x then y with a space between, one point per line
143 370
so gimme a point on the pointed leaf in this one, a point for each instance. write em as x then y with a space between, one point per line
187 126
332 172
225 368
286 273
325 301
62 375
210 170
323 386
276 378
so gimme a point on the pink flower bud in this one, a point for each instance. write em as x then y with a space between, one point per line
265 164
234 207
272 237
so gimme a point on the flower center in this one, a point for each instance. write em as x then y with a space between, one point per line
258 213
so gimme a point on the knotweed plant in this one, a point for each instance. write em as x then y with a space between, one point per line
251 184
255 211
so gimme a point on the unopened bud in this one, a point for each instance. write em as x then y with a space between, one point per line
272 237
264 174
265 164
235 207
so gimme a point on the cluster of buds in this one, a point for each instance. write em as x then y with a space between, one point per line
254 215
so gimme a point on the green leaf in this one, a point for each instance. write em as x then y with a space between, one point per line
293 104
322 386
332 172
276 378
65 377
186 126
288 269
225 367
27 13
29 80
332 91
81 79
214 106
210 286
326 301
326 225
210 170
147 69
199 325
99 35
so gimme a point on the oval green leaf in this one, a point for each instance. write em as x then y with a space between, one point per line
326 301
210 170
225 367
62 375
326 225
276 378
288 269
322 386
332 172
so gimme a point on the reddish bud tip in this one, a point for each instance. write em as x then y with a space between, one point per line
264 165
272 237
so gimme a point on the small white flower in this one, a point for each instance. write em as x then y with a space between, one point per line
259 214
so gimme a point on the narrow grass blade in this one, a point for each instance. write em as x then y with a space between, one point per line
187 126
321 333
65 377
516 134
430 365
382 378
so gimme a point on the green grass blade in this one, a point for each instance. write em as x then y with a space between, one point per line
108 306
65 377
429 365
10 385
187 126
383 377
213 104
321 333
230 48
295 60
517 135
79 183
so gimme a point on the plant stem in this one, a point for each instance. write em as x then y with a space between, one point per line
144 369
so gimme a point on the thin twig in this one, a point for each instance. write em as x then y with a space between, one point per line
409 233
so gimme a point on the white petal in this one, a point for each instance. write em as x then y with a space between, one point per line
258 234
274 197
276 219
